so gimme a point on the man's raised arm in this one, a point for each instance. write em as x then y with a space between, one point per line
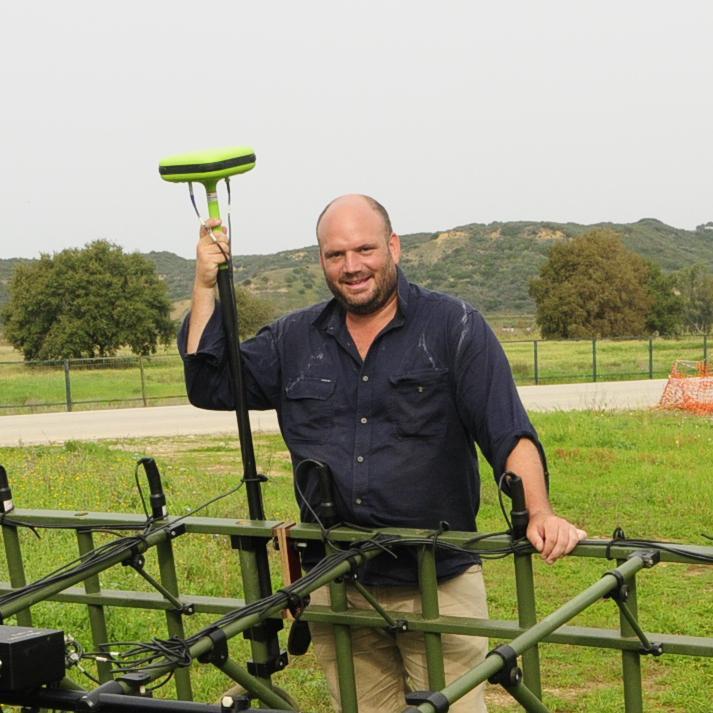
212 248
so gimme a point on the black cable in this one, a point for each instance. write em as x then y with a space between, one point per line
105 552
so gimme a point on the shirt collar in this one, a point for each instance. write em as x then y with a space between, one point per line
331 316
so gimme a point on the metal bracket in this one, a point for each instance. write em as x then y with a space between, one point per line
510 675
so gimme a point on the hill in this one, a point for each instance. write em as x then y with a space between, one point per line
488 265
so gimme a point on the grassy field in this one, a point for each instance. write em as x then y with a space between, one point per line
128 381
648 472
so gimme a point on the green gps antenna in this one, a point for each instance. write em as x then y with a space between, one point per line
207 167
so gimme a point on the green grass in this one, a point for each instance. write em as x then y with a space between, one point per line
116 382
648 472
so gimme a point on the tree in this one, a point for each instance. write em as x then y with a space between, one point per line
87 302
592 286
666 315
253 312
695 284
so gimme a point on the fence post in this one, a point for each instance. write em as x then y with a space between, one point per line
143 380
705 351
67 385
594 359
651 358
536 364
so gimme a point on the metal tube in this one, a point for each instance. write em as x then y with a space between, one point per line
13 553
25 600
343 650
97 619
174 619
527 617
428 585
527 699
535 634
250 574
631 660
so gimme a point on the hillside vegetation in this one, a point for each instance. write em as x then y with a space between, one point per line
489 265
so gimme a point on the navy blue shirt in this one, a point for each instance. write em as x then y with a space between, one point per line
397 428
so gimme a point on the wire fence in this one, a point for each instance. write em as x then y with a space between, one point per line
125 381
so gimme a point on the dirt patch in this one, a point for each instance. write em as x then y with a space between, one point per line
550 234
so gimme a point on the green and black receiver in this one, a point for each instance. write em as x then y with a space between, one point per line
207 167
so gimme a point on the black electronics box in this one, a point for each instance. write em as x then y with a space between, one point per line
30 657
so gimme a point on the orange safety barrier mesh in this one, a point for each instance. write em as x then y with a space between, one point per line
689 387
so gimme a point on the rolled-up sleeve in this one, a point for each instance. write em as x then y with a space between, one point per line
207 373
486 394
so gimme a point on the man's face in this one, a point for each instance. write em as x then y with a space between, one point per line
358 259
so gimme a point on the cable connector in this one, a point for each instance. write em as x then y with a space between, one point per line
6 503
157 497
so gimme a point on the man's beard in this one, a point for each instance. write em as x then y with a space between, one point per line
385 288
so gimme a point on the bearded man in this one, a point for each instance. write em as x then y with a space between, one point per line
390 385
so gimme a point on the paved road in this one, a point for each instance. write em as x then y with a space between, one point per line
185 420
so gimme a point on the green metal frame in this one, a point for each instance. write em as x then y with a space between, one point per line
523 635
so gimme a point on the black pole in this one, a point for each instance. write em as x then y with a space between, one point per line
231 326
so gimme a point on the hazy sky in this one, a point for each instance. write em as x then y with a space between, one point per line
448 112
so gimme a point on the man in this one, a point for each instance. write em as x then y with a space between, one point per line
390 385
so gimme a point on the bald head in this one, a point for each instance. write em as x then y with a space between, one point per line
353 206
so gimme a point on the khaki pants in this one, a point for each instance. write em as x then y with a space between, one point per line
388 665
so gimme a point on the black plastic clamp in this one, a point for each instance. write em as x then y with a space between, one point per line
435 698
654 649
353 574
177 530
218 653
136 560
267 668
137 682
510 674
399 626
296 603
621 592
264 631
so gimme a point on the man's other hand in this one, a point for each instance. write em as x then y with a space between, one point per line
552 536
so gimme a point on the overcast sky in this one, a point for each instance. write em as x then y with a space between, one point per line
448 112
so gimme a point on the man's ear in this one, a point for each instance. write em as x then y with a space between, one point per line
395 247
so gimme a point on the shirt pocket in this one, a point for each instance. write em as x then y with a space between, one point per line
308 413
419 403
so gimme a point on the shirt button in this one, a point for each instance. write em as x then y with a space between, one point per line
358 501
363 419
360 459
365 378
